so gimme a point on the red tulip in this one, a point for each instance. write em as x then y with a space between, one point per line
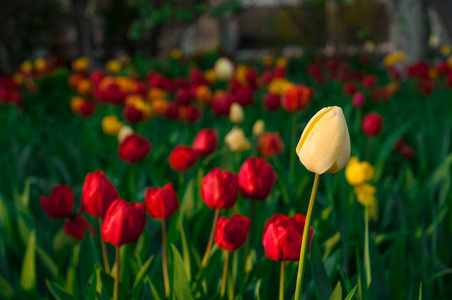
219 189
221 106
256 179
282 237
189 114
161 202
60 203
245 96
358 100
369 81
296 98
271 102
267 77
279 72
172 112
399 144
251 78
97 194
124 222
206 142
231 233
76 227
97 76
134 148
349 89
183 158
407 152
270 144
132 115
183 97
372 124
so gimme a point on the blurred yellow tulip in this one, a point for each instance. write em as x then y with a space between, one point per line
236 113
258 128
81 64
445 50
124 132
236 140
357 172
26 67
113 66
111 125
365 194
40 64
223 69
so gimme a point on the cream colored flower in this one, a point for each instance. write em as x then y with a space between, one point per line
236 113
124 132
258 128
236 140
223 69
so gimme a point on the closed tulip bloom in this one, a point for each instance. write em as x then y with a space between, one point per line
271 102
132 115
111 125
236 113
270 144
357 172
365 194
230 234
162 202
60 203
324 145
256 179
258 128
183 158
358 100
223 69
124 132
76 227
282 237
296 98
134 148
124 222
219 189
97 194
206 141
372 124
244 96
237 141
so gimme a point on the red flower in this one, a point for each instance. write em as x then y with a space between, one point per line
245 96
256 179
189 114
161 202
279 72
221 106
132 115
270 144
399 144
134 148
372 124
426 86
183 158
407 152
358 100
296 98
369 81
271 102
172 112
282 237
124 222
97 76
76 227
219 189
97 194
183 97
60 203
231 233
206 141
349 89
251 78
267 77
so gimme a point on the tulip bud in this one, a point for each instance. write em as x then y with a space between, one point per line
296 98
124 132
60 203
230 234
183 158
357 172
372 124
270 144
358 100
256 179
134 148
283 235
236 113
219 189
324 145
124 222
111 125
161 202
236 140
223 69
365 194
97 194
206 141
271 102
76 227
258 128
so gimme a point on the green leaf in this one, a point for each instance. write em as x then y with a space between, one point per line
350 295
322 285
71 275
185 251
57 291
337 293
188 201
92 292
141 274
397 264
180 284
28 273
48 262
5 289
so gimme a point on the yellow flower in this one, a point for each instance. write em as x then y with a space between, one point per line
81 64
433 73
268 60
223 69
369 47
176 54
392 87
281 62
445 50
240 74
236 113
449 61
211 76
156 94
40 64
111 125
18 78
279 86
365 194
113 66
324 145
236 140
26 67
357 172
258 128
140 104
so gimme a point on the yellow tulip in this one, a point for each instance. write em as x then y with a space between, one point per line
258 128
40 64
324 145
365 194
81 64
445 50
281 62
369 47
223 69
357 172
26 67
236 140
211 76
176 54
18 78
111 125
236 113
113 66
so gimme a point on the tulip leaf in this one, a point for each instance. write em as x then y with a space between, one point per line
337 293
396 276
6 290
188 201
141 274
322 285
57 291
92 292
28 273
71 275
47 261
155 294
351 294
185 251
180 284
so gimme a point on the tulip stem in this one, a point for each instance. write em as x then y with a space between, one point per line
103 245
131 183
115 291
225 273
247 242
292 146
304 241
181 179
212 235
281 282
366 246
164 260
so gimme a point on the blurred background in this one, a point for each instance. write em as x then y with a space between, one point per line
106 29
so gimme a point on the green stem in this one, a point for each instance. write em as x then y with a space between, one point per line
247 242
131 183
225 274
116 286
181 180
292 146
104 250
212 235
366 247
281 282
164 261
304 241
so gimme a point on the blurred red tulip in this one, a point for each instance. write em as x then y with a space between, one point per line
244 96
183 158
296 98
134 148
372 124
132 115
407 152
271 102
256 179
270 144
219 189
279 72
221 106
358 100
172 111
231 233
183 97
60 203
162 202
76 227
97 194
399 144
369 81
349 89
189 114
97 76
206 141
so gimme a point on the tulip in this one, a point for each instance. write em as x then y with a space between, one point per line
271 102
132 114
357 173
76 227
245 96
183 97
230 235
296 98
111 125
172 111
369 81
206 142
79 65
113 66
221 105
189 114
134 148
358 100
270 144
124 132
324 146
223 69
407 152
82 107
236 140
258 128
349 89
183 158
203 94
372 124
256 179
97 194
236 113
60 203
